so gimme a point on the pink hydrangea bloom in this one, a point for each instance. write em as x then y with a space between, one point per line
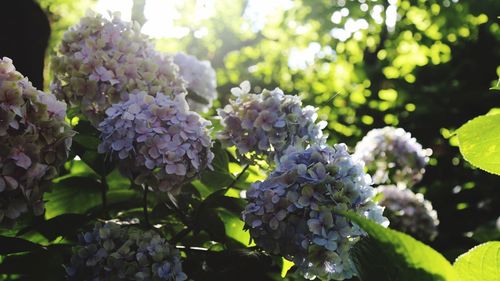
165 144
34 142
267 123
100 59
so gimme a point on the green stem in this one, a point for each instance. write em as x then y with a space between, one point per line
178 237
104 195
238 177
195 249
145 206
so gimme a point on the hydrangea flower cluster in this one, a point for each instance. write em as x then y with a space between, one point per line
114 252
409 212
99 59
34 142
165 143
393 156
268 123
200 79
296 211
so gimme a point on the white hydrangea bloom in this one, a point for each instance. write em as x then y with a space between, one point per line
165 144
267 123
34 142
296 211
99 59
114 252
409 212
200 79
392 156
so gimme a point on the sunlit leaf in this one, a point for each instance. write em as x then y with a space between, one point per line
234 228
479 142
480 263
391 255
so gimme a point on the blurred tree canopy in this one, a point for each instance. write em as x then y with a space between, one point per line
425 66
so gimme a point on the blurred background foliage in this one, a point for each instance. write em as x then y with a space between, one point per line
425 66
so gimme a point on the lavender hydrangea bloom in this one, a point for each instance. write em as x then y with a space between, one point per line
267 123
295 212
201 81
165 144
113 252
392 156
34 142
99 59
409 212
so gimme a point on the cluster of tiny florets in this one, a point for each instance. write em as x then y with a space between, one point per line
392 156
165 143
200 81
114 252
297 211
99 59
409 212
268 123
34 142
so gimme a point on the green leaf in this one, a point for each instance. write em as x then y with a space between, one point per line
235 228
99 163
44 264
220 176
73 195
215 180
85 145
218 200
237 264
212 224
480 263
479 142
221 160
65 225
10 245
286 267
391 255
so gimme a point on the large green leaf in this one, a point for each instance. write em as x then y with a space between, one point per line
480 263
479 142
391 255
235 228
65 225
10 245
41 264
73 195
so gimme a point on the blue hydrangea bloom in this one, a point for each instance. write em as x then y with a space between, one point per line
296 211
266 124
409 212
114 252
393 156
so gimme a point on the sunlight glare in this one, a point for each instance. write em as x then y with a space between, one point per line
124 7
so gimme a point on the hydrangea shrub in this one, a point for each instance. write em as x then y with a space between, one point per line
297 211
393 156
115 252
200 81
267 123
409 212
34 142
99 59
164 144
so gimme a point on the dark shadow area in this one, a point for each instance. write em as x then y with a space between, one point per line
25 34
